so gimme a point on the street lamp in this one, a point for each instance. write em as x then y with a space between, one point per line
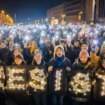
80 15
2 12
81 12
46 19
53 20
63 18
7 15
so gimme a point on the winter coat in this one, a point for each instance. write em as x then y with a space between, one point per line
80 84
58 77
3 55
69 53
99 92
35 71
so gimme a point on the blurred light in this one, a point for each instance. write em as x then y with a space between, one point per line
42 33
56 37
68 36
57 33
65 32
96 31
3 12
11 36
26 38
91 34
41 41
16 44
95 42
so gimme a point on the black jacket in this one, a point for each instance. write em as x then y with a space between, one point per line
69 53
80 84
41 74
3 55
57 73
99 93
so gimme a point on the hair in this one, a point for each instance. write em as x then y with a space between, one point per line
59 47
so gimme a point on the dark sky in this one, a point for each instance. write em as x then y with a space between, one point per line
25 9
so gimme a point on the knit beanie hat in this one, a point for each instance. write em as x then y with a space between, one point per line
84 52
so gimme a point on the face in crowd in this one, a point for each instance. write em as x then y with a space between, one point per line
76 44
33 44
103 64
17 47
16 52
38 57
84 47
68 41
18 61
2 45
83 58
59 52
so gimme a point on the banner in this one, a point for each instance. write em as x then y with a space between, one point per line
37 81
80 85
16 79
58 80
99 88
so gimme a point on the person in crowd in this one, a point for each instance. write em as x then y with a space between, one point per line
32 47
3 52
48 50
59 69
84 66
69 50
40 96
102 51
28 56
99 75
15 98
62 42
84 46
76 50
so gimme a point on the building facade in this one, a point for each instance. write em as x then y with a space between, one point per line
79 10
73 11
56 12
100 10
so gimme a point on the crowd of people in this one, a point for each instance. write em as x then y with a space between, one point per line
72 57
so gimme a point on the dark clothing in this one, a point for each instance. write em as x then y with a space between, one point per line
47 53
76 52
28 57
57 99
69 53
3 55
98 103
10 58
85 73
40 66
39 96
59 75
81 103
40 99
98 93
59 66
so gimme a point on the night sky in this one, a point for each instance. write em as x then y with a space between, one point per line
25 9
